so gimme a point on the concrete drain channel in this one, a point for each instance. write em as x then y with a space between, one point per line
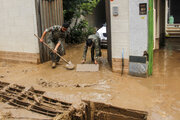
36 101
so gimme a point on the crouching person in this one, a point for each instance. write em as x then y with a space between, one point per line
92 42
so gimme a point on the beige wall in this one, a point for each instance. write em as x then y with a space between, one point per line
18 25
120 29
120 34
138 25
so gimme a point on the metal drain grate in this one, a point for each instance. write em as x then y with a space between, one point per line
35 100
3 84
32 99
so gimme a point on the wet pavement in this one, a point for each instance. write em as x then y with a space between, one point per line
158 94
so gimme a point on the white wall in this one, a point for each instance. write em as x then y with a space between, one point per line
138 28
120 29
17 26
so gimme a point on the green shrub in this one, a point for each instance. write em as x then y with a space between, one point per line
80 31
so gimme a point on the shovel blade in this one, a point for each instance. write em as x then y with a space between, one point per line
70 66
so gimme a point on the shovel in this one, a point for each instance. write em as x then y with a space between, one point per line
69 64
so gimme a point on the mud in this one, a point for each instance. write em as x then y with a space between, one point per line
6 115
36 101
158 94
44 83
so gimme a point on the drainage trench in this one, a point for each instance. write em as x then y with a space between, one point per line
36 101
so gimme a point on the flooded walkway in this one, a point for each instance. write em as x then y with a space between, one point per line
158 94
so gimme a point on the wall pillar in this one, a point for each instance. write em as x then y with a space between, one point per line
150 37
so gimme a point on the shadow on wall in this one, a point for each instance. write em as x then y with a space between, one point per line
98 18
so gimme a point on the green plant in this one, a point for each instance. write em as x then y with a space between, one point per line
80 31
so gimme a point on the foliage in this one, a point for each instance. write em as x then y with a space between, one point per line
74 9
79 32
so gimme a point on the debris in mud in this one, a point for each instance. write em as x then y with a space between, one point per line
3 84
25 71
101 111
36 101
2 76
77 85
33 100
4 116
76 112
45 83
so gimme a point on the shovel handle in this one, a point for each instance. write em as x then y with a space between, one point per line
52 50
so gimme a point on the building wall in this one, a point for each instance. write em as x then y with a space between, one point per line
18 26
120 34
138 28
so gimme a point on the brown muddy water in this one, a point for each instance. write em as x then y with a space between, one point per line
158 94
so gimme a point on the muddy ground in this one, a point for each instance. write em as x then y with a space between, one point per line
158 94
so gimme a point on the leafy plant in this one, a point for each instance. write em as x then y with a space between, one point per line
79 32
74 9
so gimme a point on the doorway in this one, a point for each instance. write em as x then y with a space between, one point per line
101 17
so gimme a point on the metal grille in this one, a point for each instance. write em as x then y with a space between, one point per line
32 99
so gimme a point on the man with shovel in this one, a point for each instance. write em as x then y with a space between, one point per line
54 41
93 42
